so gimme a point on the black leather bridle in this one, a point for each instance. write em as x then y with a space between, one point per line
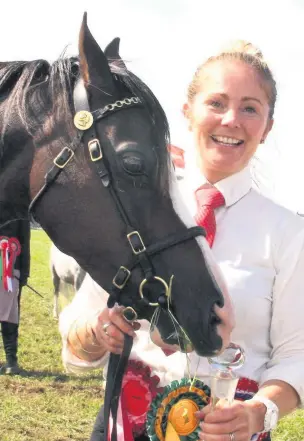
85 121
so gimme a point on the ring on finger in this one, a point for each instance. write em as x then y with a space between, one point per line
232 436
105 328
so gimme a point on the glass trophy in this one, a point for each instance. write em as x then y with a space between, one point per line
223 378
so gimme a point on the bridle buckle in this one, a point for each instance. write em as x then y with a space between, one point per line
95 150
136 242
121 277
63 157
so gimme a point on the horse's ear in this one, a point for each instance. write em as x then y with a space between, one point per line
94 65
112 52
112 49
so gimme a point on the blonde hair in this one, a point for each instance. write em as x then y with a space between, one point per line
246 52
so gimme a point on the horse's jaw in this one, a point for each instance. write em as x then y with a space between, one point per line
219 332
171 344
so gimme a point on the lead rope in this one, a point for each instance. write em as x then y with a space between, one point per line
116 369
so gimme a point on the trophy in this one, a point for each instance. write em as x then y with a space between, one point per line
223 378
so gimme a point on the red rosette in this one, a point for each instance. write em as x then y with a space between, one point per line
14 246
14 249
3 240
139 388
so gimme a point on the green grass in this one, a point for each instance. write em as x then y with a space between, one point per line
46 404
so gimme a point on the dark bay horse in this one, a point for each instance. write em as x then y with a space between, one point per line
84 149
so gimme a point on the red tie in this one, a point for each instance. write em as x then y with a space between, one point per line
207 200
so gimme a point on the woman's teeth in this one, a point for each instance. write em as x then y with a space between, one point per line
225 140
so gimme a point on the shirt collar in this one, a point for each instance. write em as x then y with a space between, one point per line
233 188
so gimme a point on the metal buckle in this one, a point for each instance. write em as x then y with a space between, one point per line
136 233
128 274
92 147
59 156
128 312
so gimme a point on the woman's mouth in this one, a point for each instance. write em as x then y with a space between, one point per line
227 141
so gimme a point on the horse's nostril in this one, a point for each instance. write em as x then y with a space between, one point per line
214 319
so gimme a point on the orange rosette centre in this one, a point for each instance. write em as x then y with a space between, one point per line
182 417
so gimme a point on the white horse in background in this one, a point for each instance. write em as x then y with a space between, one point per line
64 269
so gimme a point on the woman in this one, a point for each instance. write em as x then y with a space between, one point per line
258 245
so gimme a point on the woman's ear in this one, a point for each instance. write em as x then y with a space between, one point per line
187 114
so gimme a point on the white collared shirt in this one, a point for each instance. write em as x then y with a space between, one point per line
259 247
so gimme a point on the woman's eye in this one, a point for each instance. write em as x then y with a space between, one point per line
216 104
250 109
133 165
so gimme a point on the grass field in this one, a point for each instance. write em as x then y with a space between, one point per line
45 404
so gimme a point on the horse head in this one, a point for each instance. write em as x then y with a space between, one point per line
84 145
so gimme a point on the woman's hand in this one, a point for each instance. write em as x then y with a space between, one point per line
235 422
109 328
90 338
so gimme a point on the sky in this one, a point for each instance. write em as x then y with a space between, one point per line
165 40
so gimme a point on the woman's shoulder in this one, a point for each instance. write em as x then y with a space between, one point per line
280 219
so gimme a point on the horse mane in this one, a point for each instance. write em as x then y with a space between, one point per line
17 79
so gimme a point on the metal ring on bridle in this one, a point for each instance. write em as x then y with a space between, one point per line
159 279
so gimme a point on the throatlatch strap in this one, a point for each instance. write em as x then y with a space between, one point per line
116 369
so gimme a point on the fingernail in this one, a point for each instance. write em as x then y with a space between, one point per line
201 435
199 414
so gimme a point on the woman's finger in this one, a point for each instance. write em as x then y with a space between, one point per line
234 425
226 437
223 412
107 331
116 317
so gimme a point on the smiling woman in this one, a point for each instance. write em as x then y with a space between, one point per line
230 109
258 245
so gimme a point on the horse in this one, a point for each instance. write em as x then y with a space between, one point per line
64 269
83 150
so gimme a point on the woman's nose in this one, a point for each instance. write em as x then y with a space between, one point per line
230 118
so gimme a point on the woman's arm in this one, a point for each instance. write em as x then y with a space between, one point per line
89 340
281 393
85 342
244 419
282 379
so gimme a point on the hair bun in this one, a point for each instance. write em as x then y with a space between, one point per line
245 47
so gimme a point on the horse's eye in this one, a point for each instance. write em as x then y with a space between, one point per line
41 75
133 164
